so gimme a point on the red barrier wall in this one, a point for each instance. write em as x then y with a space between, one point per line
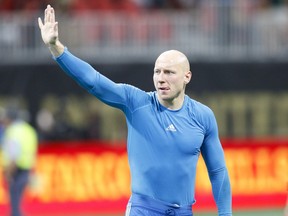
91 177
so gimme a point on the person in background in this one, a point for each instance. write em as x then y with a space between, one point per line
2 113
167 131
18 152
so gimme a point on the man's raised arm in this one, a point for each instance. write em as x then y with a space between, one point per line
49 32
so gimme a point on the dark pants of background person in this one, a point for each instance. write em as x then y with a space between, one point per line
16 190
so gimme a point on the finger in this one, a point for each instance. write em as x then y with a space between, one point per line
52 15
56 27
40 23
49 13
46 15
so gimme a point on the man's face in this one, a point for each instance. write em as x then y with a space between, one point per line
171 74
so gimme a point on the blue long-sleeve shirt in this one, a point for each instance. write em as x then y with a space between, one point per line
163 145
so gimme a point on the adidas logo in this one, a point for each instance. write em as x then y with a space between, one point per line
171 128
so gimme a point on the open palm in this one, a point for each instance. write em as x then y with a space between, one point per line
49 30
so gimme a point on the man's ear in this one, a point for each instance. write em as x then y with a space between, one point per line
188 76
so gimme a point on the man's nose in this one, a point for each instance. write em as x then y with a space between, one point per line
161 77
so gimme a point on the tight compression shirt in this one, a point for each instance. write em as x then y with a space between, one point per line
163 145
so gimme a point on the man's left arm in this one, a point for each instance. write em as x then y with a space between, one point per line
213 156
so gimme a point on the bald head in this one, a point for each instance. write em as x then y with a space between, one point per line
171 75
174 58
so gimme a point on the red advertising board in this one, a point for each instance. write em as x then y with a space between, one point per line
93 177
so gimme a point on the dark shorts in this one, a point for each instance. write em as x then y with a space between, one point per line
140 205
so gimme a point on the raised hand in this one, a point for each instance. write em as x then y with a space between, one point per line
49 30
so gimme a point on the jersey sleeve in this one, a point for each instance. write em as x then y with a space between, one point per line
213 156
114 94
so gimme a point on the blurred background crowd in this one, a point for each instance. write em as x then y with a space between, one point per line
238 51
71 6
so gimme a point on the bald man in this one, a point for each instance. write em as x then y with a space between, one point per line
167 131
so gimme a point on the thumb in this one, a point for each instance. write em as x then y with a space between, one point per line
40 23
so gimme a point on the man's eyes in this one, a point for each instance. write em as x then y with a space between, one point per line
169 72
165 72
